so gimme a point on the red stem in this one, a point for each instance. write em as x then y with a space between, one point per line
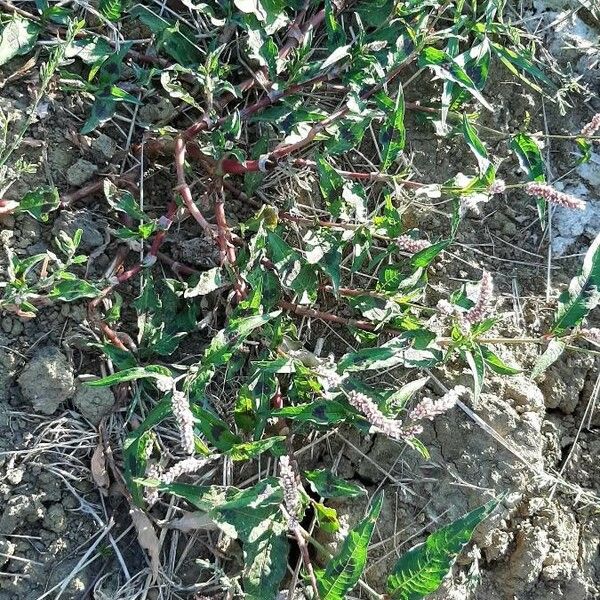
184 189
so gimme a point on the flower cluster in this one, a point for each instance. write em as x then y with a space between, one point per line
185 420
429 409
291 494
391 427
592 127
183 467
154 471
328 376
547 192
498 187
410 245
591 334
478 312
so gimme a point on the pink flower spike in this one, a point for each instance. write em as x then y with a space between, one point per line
481 309
185 420
553 196
592 127
408 244
591 335
498 187
429 409
291 494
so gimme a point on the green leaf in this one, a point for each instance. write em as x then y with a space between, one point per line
228 340
103 109
583 294
477 366
476 145
206 282
328 485
518 63
496 364
422 569
344 570
40 202
531 161
445 67
326 518
349 134
89 50
392 136
69 290
397 351
148 372
399 399
320 412
424 257
215 430
550 355
586 150
335 33
249 450
170 39
111 9
18 37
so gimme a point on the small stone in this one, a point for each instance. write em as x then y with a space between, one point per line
17 328
15 476
47 380
154 112
70 222
56 519
19 509
7 324
93 403
104 145
7 365
80 172
7 549
510 229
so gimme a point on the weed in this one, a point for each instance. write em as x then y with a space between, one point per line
327 83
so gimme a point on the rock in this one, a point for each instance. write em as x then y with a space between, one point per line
199 252
47 380
590 171
70 222
154 112
7 549
7 366
30 233
56 519
104 145
80 172
7 324
569 224
571 37
93 403
19 509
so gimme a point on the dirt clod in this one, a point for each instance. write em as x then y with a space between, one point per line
93 403
47 380
80 172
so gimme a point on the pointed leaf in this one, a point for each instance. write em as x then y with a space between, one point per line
422 569
583 294
344 570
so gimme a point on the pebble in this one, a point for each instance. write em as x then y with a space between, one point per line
104 145
80 172
7 324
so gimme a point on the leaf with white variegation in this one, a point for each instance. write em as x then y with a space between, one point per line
583 294
344 570
422 569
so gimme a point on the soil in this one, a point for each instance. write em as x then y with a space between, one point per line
543 542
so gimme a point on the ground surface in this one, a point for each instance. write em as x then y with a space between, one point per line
59 537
